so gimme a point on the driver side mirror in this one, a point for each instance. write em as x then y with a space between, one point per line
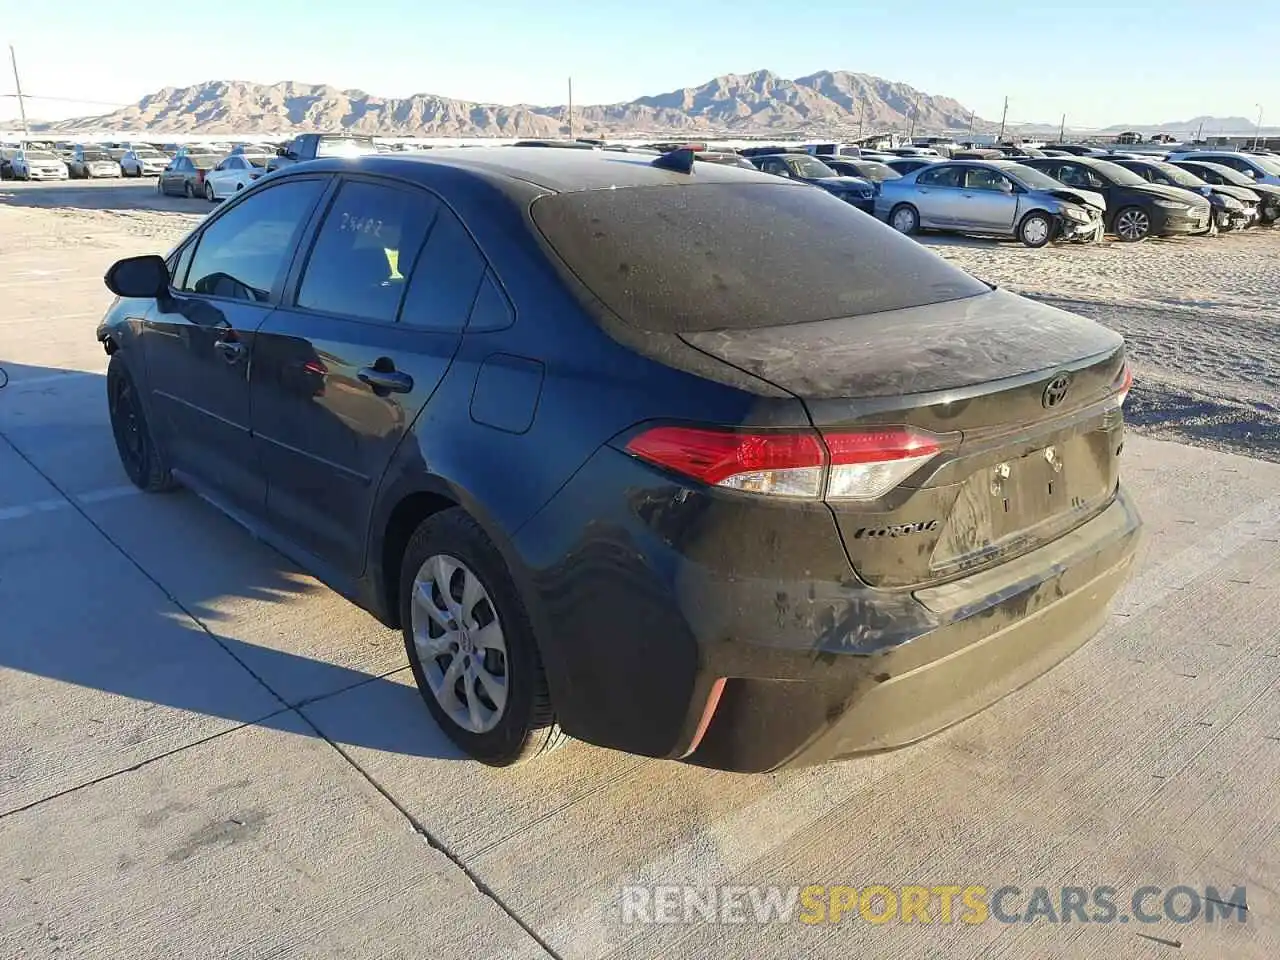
142 278
281 152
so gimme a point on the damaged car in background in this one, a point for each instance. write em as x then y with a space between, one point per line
997 198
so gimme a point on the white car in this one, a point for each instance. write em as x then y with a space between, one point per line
142 162
1257 167
38 165
232 175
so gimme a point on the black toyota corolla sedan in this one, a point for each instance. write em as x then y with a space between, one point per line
615 470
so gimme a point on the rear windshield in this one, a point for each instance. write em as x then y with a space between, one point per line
739 256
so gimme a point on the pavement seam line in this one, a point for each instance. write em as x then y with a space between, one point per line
434 842
142 763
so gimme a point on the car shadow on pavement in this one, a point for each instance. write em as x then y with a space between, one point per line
170 596
115 194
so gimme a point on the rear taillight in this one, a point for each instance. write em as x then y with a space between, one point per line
842 465
1120 388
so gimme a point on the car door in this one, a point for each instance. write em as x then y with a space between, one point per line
990 202
937 196
176 175
340 375
198 342
775 165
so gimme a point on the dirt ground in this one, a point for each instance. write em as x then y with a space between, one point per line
1201 317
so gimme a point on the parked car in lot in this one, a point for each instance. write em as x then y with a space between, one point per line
311 146
37 165
1257 167
905 165
89 162
806 169
1136 209
185 175
1219 175
872 171
724 158
995 197
143 162
1234 208
932 463
232 174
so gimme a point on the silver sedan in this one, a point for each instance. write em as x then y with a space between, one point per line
994 197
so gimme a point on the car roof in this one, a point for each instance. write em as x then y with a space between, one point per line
560 171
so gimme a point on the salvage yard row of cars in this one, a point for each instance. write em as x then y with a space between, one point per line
1052 195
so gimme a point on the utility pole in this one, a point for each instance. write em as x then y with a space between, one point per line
862 109
22 109
973 118
915 110
1062 130
1003 117
571 108
1258 135
1200 132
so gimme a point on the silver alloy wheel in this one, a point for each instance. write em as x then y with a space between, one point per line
459 642
1133 224
904 220
1035 230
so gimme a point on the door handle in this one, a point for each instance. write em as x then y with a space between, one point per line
231 350
393 381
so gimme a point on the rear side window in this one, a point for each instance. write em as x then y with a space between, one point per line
942 177
240 254
445 278
718 256
370 237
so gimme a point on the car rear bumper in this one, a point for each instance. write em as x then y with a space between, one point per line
652 647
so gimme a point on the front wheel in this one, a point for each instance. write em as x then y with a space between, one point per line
1036 229
141 458
471 645
1133 224
905 219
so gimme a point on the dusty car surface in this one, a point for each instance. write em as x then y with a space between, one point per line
617 483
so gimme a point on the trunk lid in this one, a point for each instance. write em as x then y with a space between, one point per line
1020 395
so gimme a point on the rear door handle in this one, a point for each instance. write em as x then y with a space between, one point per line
231 350
393 381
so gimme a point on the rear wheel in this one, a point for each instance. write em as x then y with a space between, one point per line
187 189
1036 229
208 193
139 455
471 645
905 219
1133 224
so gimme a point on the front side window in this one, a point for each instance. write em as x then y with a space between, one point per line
241 253
368 242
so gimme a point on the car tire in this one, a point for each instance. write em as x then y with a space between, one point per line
448 557
1269 215
140 455
209 194
186 189
1132 224
1036 229
905 219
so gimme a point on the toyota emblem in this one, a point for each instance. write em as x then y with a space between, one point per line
1055 391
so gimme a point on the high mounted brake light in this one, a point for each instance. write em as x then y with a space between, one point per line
842 465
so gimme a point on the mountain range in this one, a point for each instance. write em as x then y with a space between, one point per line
827 103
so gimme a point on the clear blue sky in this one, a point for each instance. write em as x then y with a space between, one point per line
1099 62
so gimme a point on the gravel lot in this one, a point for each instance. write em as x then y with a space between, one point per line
206 753
1201 315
